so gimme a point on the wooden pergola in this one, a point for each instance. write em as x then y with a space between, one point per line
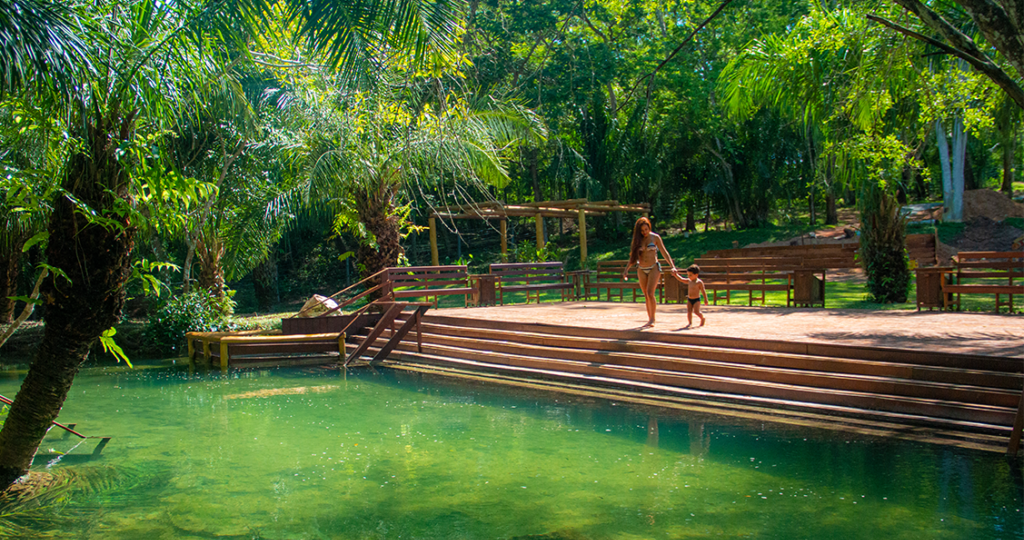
573 208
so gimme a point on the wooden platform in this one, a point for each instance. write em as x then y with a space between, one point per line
962 380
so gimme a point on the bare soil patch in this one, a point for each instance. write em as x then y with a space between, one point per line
994 205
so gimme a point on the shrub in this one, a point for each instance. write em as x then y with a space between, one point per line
192 312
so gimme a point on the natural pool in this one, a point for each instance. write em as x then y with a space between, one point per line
297 454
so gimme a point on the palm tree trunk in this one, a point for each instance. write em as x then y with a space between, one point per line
10 262
376 211
209 253
264 280
82 305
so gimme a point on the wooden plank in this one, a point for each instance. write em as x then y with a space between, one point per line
1001 416
929 358
739 356
400 334
977 288
818 379
383 323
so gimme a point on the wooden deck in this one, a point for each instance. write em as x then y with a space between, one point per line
954 378
959 378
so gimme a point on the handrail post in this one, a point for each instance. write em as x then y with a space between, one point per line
1018 426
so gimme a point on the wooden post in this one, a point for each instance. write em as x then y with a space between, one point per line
223 355
504 240
434 261
540 231
583 237
207 355
1018 426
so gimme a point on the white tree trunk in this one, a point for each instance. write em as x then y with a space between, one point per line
947 176
959 159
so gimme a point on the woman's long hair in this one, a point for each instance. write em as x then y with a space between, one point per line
638 240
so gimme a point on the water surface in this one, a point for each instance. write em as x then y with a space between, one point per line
319 454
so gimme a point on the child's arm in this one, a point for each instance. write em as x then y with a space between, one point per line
702 291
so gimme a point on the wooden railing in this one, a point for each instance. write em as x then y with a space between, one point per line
348 302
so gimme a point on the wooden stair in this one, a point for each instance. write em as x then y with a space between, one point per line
948 391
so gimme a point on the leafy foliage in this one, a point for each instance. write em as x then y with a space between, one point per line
193 312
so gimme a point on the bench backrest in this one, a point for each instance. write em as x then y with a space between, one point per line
528 273
750 264
428 277
994 263
811 256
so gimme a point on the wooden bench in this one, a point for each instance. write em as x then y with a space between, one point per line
529 278
608 276
833 256
428 281
795 275
985 272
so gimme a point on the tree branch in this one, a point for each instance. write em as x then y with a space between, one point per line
650 76
969 54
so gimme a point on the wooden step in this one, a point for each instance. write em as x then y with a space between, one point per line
669 360
912 410
725 384
881 354
960 377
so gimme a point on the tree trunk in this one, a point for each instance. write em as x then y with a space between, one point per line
97 262
959 161
10 264
831 213
376 211
947 170
970 181
811 207
209 253
264 280
811 166
1007 186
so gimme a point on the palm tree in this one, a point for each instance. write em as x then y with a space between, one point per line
370 151
147 61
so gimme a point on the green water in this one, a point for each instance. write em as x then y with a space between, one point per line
297 454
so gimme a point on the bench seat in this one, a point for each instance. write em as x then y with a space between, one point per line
985 272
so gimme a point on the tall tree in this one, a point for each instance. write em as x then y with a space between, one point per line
149 59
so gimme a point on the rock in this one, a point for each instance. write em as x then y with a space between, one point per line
318 305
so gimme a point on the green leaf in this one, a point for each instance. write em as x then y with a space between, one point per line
109 346
40 237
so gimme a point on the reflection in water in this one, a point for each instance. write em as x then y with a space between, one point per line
281 454
699 442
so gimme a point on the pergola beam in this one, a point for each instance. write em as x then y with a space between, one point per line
578 209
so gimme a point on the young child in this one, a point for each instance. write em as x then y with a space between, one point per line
694 288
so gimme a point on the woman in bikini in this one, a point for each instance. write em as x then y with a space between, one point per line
644 253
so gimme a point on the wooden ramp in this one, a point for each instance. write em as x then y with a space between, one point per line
966 395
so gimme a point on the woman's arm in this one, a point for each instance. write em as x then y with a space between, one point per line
664 251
